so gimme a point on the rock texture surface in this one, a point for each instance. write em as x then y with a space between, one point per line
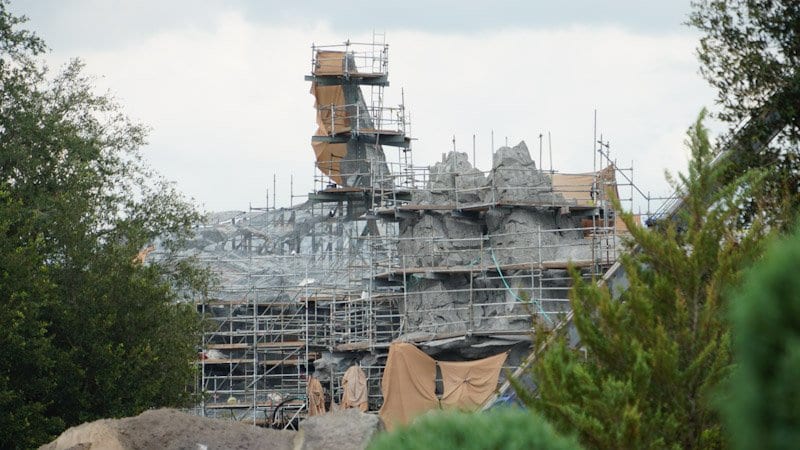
347 429
170 430
458 267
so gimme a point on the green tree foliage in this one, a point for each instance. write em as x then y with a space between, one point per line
85 332
508 429
763 407
652 358
750 52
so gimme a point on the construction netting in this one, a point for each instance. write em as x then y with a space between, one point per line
409 383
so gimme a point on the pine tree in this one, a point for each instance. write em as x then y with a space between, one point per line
652 358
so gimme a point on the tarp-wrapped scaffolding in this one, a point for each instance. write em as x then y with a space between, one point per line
349 161
409 383
332 118
583 188
329 63
329 156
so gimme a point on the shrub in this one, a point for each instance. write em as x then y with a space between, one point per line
504 428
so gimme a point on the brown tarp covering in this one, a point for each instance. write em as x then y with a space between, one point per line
620 226
468 384
408 385
329 155
316 397
329 63
354 389
578 186
330 122
329 102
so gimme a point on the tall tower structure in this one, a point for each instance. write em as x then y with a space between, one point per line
354 125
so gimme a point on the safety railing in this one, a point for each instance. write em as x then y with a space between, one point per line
350 58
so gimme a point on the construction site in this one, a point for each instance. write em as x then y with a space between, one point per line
465 263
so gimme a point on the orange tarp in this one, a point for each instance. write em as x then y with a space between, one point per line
329 155
408 385
329 102
354 389
468 384
316 397
329 63
331 119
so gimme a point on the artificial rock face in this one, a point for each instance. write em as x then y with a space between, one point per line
455 181
462 269
515 178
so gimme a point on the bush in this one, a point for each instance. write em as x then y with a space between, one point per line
497 429
763 410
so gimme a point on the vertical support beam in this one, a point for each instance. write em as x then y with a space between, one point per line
404 324
255 338
471 324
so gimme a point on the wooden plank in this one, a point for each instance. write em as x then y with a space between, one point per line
244 345
482 206
244 405
485 267
342 189
227 346
217 361
286 344
352 346
287 361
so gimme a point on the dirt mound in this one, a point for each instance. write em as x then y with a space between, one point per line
170 429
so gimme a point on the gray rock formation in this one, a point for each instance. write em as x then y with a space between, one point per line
437 239
515 178
338 430
462 278
453 181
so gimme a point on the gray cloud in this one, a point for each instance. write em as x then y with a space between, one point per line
104 24
229 107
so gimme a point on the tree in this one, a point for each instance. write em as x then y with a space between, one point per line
509 429
654 356
85 330
762 406
750 52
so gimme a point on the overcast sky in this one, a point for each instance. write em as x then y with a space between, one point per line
221 83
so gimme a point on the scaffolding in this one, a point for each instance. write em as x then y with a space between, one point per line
384 250
355 281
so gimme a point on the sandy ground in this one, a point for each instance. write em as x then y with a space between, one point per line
170 429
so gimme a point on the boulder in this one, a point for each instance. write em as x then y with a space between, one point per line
338 430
